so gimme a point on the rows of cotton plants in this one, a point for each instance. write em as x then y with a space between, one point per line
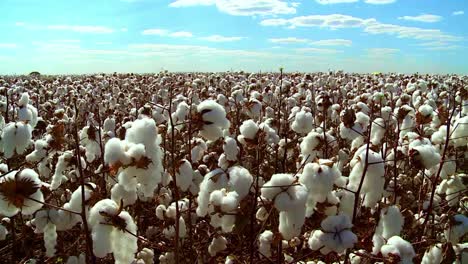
234 168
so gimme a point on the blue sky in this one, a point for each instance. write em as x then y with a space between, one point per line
84 36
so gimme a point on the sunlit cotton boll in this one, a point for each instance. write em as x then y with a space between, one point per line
303 122
400 247
18 190
336 235
109 238
214 119
390 224
15 138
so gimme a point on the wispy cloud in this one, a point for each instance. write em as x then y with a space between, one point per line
380 2
330 2
165 32
458 13
288 40
243 7
219 38
70 28
332 42
319 51
8 45
426 18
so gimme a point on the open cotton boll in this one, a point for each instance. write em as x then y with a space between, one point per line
198 150
62 164
424 156
264 243
115 151
18 190
303 122
372 188
456 229
336 235
290 199
227 201
108 237
146 255
15 138
319 178
378 131
50 239
248 130
3 232
240 180
230 148
214 180
89 138
453 188
433 255
26 112
390 224
460 132
400 247
214 119
39 153
217 244
184 175
119 193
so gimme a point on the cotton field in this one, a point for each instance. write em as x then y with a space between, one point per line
234 168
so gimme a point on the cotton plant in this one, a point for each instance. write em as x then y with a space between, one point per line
303 122
89 138
319 178
113 231
335 236
399 248
252 133
423 154
26 112
15 138
211 120
264 243
137 160
20 193
453 188
390 224
67 216
456 228
315 143
372 175
289 198
224 191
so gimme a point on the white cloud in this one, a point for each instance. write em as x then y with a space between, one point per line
382 51
427 18
155 31
380 2
181 34
288 40
187 3
243 7
332 42
331 21
71 28
458 13
8 45
329 2
442 48
82 29
320 51
371 26
165 32
219 38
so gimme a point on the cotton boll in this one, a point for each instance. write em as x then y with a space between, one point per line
424 156
230 148
88 137
433 255
114 152
390 224
240 180
167 258
3 232
214 180
319 179
214 119
302 123
15 138
453 188
400 247
373 186
50 239
378 131
336 235
198 150
248 130
109 238
119 193
460 132
184 175
456 229
147 255
18 198
217 244
265 239
62 164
